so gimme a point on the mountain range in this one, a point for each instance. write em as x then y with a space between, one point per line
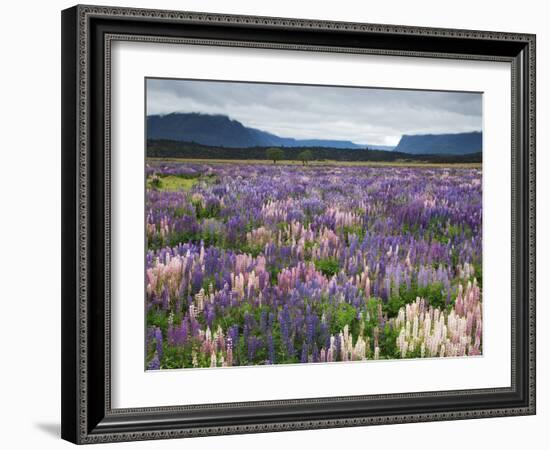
441 144
220 130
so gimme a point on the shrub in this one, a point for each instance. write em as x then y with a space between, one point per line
328 266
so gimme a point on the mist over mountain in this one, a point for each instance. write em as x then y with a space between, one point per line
441 144
222 131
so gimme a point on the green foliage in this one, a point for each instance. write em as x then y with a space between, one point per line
171 182
478 272
328 266
252 249
176 149
177 238
447 234
436 231
157 319
372 308
344 314
235 316
206 212
394 304
388 343
240 245
274 154
356 230
177 183
274 272
175 357
454 257
207 281
281 226
210 238
155 242
308 250
408 228
180 211
154 182
305 156
434 294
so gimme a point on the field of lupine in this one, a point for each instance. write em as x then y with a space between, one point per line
253 264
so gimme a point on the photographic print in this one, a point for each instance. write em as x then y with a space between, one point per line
346 210
302 224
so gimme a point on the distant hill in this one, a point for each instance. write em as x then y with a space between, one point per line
443 144
387 148
220 130
192 150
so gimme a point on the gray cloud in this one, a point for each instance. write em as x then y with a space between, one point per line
362 115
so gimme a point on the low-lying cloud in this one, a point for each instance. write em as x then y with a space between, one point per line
362 115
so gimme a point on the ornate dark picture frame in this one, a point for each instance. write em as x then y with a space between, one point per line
87 34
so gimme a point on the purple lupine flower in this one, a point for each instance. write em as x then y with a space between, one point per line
263 321
271 349
394 220
154 364
304 353
253 345
315 353
158 340
165 298
338 350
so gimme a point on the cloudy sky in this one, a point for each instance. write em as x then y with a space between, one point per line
362 115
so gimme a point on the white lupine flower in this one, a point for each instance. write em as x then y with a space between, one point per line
213 358
437 332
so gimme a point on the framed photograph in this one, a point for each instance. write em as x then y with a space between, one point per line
279 224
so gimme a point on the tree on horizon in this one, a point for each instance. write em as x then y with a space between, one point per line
305 156
274 154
